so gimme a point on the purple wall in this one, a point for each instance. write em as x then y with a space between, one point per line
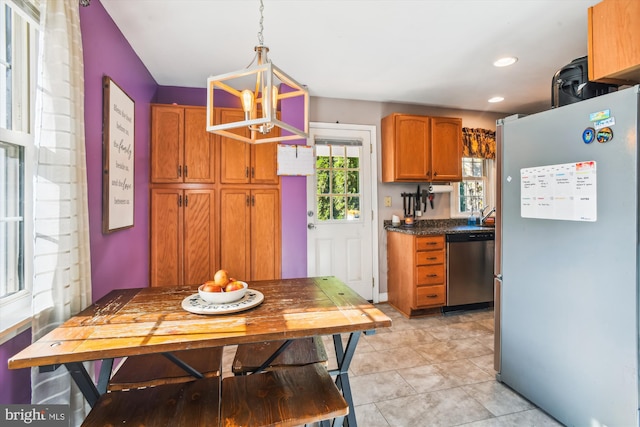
294 201
119 259
15 383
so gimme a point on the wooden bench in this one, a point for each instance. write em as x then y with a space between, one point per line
148 370
304 351
189 404
284 397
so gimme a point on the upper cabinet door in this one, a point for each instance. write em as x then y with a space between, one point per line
167 141
199 148
446 148
235 155
264 163
243 163
181 148
406 155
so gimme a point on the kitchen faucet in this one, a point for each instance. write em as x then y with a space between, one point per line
484 217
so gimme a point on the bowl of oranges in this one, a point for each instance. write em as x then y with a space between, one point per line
222 289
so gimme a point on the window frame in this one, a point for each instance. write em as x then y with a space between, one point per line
489 196
16 308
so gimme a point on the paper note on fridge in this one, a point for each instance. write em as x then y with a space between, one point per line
562 192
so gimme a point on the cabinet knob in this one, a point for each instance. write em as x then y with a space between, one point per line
435 174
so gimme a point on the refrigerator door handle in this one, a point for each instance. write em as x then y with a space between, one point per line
498 276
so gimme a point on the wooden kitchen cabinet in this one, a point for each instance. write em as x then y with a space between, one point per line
182 151
242 163
250 233
421 148
446 149
613 47
183 236
416 276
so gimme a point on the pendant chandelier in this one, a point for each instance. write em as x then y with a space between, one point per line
264 88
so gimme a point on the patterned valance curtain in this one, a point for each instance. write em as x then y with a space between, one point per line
478 143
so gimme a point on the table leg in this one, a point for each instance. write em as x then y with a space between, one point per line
273 357
343 358
185 366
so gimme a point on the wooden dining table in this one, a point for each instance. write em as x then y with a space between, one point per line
128 322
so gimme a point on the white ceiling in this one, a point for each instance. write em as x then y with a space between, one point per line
429 52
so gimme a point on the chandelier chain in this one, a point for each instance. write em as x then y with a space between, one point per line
260 37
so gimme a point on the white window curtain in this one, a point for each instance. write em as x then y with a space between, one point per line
62 269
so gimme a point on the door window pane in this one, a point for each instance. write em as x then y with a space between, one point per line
338 176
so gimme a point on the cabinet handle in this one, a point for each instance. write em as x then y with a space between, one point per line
186 172
432 243
428 173
435 174
432 258
180 201
179 171
253 201
432 296
247 200
186 201
246 172
432 275
253 172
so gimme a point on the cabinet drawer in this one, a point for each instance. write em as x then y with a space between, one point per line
429 243
430 274
427 296
429 257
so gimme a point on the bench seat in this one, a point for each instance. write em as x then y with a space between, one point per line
285 397
148 370
302 351
188 404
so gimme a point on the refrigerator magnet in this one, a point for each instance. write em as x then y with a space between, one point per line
604 135
588 135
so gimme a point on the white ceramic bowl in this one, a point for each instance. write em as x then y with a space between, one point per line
223 297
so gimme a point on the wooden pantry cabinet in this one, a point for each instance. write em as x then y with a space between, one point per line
199 222
183 232
182 151
416 275
421 148
242 163
250 233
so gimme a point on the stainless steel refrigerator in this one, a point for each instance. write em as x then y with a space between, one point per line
567 259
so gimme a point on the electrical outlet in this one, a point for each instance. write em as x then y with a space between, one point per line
387 201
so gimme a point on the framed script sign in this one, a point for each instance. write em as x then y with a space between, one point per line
117 158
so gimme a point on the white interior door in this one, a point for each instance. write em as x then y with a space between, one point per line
341 240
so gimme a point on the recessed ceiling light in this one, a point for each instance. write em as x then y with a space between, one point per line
496 99
506 61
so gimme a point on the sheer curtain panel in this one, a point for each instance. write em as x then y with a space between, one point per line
62 270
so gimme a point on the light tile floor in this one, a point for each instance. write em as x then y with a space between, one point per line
433 371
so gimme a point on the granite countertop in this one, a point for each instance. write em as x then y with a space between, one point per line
427 227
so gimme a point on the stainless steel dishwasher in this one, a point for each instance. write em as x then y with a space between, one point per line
470 268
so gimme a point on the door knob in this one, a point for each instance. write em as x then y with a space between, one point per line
311 226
